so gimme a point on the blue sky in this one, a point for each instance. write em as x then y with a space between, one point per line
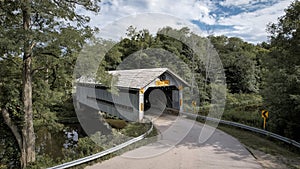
246 19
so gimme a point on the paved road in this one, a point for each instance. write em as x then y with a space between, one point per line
176 150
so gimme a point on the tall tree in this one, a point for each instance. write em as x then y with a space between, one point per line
281 82
240 62
34 29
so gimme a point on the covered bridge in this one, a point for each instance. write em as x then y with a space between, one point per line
134 89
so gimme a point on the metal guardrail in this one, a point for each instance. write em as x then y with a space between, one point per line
257 130
120 146
102 153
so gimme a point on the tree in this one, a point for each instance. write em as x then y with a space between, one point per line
240 62
281 85
9 90
38 30
163 50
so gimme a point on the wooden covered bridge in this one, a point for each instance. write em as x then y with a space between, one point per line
133 98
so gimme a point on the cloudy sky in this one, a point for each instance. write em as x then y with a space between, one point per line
246 19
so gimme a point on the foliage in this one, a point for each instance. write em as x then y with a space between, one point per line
241 108
281 85
57 33
10 86
42 161
135 129
169 48
248 117
240 61
9 90
85 147
243 100
9 152
40 33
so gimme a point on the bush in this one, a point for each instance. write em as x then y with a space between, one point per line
240 108
243 101
135 129
85 147
42 161
244 108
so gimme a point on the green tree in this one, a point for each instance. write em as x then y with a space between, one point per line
36 31
9 90
150 51
281 84
241 64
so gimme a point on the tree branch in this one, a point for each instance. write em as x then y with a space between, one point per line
32 45
10 59
50 54
12 126
37 69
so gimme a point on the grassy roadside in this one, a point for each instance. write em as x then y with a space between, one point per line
246 109
269 153
129 130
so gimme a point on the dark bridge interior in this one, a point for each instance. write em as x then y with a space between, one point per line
170 98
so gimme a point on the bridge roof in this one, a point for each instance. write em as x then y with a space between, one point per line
140 78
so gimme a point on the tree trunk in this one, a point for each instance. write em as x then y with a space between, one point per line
28 136
12 126
25 136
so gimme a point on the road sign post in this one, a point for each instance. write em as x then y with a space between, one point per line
265 115
194 106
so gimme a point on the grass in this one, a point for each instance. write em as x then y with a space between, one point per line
135 129
266 149
246 109
131 130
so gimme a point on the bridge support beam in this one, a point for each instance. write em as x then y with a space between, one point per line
141 105
180 99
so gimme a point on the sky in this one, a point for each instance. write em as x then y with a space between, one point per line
246 19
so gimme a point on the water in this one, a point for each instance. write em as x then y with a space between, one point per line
52 143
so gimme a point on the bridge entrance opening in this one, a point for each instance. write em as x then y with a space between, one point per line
158 100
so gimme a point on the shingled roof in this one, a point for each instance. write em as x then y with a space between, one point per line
139 78
133 78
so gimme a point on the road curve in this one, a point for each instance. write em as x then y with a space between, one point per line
176 151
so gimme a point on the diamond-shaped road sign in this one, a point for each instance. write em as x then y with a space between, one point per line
264 114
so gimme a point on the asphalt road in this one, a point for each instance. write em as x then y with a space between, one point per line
178 147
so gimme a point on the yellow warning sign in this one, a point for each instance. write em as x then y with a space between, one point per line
264 114
162 83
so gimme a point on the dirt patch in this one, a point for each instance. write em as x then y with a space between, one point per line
269 161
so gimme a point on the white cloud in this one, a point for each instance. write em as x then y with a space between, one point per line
196 10
150 21
168 13
234 2
248 4
252 25
190 10
248 25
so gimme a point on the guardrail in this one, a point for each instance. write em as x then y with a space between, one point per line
102 153
257 130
